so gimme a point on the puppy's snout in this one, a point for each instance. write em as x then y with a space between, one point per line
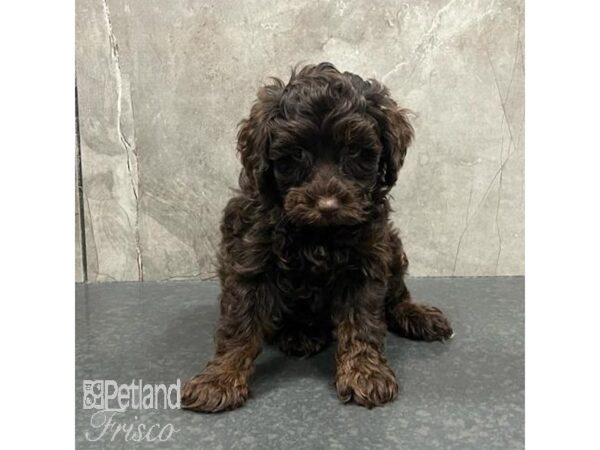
328 204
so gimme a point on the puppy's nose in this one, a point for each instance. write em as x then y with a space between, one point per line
328 204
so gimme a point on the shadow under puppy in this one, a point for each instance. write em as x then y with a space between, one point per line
308 253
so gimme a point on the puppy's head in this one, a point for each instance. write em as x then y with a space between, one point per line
326 147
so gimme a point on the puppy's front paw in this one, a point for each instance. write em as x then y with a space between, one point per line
366 384
214 392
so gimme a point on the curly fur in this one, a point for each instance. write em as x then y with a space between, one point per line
308 252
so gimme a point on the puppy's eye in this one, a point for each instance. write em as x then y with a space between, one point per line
285 165
299 155
354 151
359 162
293 165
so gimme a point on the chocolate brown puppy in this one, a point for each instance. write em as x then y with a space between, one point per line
308 253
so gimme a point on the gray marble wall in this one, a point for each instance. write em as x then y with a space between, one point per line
162 85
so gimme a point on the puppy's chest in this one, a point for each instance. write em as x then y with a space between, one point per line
308 273
319 262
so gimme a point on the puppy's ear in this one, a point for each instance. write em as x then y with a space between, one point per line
396 132
254 138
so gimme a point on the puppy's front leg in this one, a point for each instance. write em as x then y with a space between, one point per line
362 374
223 384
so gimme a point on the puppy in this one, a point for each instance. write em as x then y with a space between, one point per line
308 254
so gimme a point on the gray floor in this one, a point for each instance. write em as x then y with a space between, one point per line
464 394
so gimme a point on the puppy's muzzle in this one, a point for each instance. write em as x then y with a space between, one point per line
324 202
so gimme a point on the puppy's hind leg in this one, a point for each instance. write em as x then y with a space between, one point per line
413 320
408 319
418 322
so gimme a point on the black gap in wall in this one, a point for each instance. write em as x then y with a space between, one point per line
80 190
